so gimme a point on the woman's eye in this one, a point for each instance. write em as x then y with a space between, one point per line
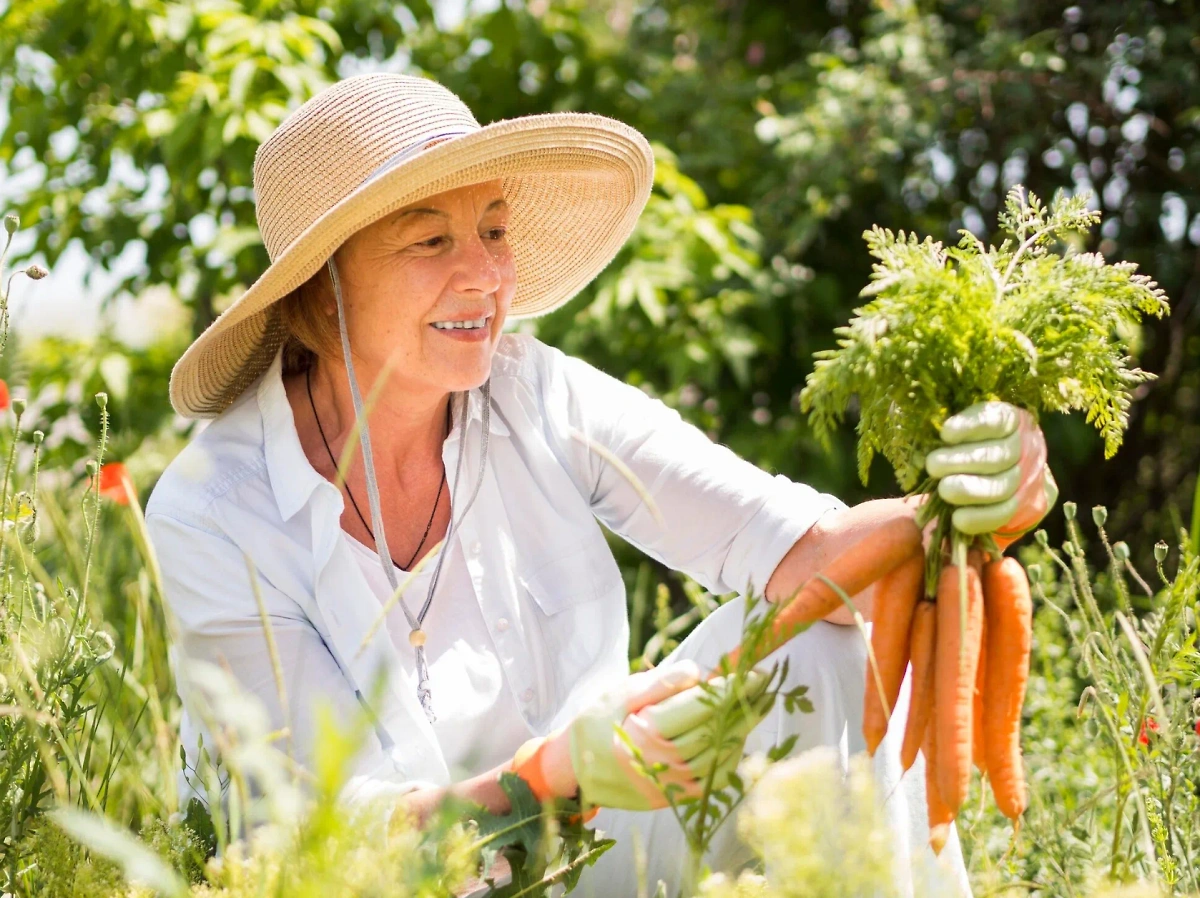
497 233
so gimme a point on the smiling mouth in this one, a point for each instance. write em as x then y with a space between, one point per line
474 324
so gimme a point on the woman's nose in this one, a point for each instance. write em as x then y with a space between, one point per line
478 267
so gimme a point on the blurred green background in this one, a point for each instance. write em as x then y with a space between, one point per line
782 131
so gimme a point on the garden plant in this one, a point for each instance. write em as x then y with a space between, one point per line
1099 746
90 713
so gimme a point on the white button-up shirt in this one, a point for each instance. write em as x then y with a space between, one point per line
479 722
536 558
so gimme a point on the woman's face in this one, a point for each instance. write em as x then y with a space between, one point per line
443 258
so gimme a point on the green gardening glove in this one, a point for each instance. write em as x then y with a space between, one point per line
993 467
669 726
686 718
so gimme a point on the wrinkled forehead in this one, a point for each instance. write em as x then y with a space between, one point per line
487 196
469 203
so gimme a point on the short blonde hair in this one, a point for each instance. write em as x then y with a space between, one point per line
309 331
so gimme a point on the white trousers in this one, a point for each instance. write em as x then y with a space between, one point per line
831 660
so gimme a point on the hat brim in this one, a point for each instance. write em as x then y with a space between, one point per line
575 183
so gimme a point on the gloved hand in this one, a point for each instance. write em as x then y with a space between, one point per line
666 714
994 467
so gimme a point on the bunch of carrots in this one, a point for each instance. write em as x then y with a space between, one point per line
944 327
969 650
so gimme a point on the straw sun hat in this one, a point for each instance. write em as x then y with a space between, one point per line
365 146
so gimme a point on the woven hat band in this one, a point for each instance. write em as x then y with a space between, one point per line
407 153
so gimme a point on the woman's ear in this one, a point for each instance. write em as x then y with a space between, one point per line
327 299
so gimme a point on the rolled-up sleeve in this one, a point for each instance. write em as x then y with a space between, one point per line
726 522
208 590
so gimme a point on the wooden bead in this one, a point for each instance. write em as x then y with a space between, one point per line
417 638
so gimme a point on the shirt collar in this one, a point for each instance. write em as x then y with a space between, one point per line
496 425
293 478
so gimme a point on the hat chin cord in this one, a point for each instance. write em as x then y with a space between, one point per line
417 636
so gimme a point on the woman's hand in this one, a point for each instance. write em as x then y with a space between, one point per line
993 466
665 714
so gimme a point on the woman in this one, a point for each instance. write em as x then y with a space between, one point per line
402 237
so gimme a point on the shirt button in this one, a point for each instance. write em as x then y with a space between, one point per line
476 546
527 695
502 624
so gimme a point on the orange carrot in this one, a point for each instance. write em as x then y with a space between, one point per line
939 813
896 596
1009 610
978 755
957 657
860 565
922 645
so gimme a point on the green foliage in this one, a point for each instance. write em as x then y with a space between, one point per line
53 863
185 87
788 135
1112 745
813 125
520 829
544 846
951 327
819 832
59 373
681 295
185 845
138 862
700 817
82 712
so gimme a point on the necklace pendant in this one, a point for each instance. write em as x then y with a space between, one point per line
425 695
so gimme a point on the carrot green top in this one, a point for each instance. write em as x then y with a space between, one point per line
950 326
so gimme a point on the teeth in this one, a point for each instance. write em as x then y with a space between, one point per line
449 325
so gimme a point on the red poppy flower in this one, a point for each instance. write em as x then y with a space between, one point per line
1198 727
5 399
116 484
1149 725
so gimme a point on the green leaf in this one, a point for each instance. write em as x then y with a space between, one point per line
239 81
783 749
585 855
649 301
522 826
200 822
737 783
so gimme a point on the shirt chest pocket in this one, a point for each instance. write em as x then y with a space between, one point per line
576 620
583 571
